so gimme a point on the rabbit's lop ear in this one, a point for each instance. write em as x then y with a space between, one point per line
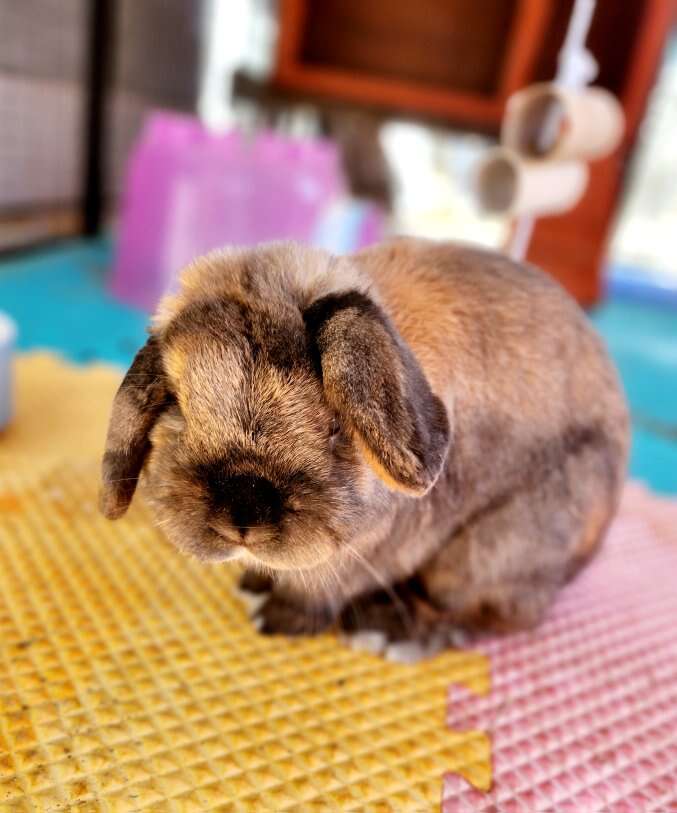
375 384
142 396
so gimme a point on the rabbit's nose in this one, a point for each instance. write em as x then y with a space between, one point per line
250 501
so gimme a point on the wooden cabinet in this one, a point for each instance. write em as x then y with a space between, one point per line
457 61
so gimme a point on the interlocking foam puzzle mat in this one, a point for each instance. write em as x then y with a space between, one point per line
131 678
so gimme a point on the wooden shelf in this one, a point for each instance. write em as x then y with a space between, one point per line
412 57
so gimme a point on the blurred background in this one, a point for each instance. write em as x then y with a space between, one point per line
134 135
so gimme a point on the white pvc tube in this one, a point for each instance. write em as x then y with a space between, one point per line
510 185
553 123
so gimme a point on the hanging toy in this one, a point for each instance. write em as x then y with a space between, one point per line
550 131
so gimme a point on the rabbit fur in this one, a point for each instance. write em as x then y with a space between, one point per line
414 438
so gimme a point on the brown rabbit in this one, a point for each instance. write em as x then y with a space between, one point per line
416 437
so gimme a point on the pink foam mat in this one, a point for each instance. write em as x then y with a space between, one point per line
583 711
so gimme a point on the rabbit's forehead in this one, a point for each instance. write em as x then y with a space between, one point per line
241 371
259 409
238 332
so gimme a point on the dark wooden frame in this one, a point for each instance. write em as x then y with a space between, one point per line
291 73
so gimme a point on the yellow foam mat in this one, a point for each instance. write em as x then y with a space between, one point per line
132 679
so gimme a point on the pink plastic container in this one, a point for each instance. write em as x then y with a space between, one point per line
189 191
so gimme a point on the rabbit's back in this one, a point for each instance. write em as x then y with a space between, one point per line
497 339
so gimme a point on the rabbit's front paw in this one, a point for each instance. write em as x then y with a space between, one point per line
280 615
251 581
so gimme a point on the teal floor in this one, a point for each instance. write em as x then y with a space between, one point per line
58 299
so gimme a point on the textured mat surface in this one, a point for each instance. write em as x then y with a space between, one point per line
583 711
131 678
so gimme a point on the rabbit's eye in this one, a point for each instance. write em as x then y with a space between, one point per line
334 428
171 404
171 400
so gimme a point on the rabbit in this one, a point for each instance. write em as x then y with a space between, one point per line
415 438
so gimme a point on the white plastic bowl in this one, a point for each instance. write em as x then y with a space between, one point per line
7 339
